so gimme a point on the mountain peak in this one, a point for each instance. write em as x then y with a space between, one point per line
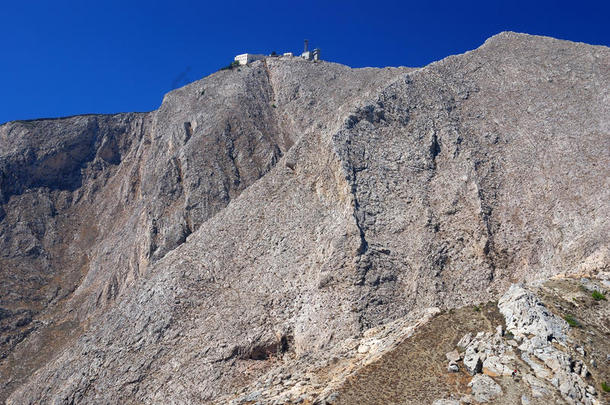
271 222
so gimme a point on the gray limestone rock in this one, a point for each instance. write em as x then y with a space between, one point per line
453 356
526 315
473 361
464 341
537 327
539 388
497 366
267 215
484 388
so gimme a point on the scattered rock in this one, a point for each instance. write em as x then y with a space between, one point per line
539 369
543 345
591 286
466 399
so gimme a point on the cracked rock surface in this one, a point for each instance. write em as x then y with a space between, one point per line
288 215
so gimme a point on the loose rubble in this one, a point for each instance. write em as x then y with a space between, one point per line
539 339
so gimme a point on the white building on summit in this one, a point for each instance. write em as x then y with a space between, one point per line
246 58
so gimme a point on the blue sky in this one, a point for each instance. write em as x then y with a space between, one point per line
64 57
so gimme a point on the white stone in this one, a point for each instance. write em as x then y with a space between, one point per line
584 371
453 356
525 315
499 331
537 386
363 348
494 366
472 361
484 388
539 370
464 341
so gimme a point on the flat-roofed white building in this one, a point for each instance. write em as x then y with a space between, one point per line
246 58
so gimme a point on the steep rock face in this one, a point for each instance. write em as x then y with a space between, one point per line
278 209
477 169
50 173
90 202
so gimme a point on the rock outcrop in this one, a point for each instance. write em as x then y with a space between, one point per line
266 216
535 347
542 337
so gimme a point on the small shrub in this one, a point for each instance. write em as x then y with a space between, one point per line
273 105
476 308
571 321
597 296
605 387
230 66
509 335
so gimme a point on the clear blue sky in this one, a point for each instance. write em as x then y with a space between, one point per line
72 57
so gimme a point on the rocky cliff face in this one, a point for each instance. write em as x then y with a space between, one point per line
265 216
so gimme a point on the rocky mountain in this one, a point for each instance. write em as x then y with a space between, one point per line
247 239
